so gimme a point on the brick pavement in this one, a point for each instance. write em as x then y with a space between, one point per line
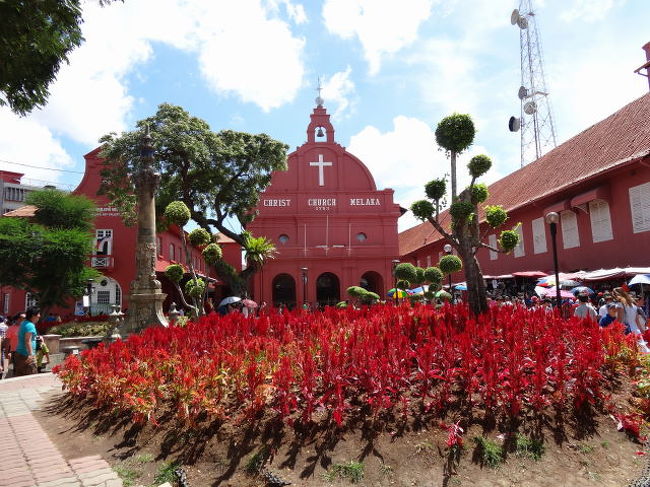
29 458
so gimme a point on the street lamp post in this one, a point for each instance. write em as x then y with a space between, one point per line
303 271
552 219
395 296
89 291
448 250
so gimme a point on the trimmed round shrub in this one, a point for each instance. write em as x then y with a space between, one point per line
495 215
444 296
429 295
422 209
479 165
341 304
174 272
435 189
403 284
368 297
433 275
177 213
406 271
455 133
508 240
356 291
195 289
480 193
420 276
450 264
461 210
199 237
212 253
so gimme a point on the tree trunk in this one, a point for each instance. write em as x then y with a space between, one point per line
453 177
474 279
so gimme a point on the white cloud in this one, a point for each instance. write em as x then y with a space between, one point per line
26 141
383 27
589 10
337 89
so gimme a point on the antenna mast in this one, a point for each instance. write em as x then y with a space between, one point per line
536 119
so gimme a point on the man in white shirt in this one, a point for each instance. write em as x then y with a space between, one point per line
602 311
585 309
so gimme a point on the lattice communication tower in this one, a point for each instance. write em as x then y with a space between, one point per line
536 120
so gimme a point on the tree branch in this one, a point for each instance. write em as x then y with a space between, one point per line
444 233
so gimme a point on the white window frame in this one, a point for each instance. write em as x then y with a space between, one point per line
429 260
570 230
520 250
172 251
492 240
640 207
539 235
104 233
601 221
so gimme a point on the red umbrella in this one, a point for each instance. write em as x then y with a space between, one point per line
249 303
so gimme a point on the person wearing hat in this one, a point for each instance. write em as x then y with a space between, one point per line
602 311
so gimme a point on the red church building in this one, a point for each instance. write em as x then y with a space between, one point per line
114 253
331 226
599 184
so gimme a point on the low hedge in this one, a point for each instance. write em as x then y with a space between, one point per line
74 329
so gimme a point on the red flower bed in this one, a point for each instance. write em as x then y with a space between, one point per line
347 362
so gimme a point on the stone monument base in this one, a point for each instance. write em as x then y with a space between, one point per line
145 310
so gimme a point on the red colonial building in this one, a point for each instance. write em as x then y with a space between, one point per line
598 182
114 253
331 226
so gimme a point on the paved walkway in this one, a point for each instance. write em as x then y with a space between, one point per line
28 457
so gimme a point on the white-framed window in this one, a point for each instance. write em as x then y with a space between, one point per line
104 241
428 260
640 207
172 252
30 300
601 221
570 234
539 236
417 262
520 251
5 303
492 240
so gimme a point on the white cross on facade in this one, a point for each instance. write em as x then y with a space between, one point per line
321 165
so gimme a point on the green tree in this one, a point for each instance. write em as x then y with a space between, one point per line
35 38
217 175
47 256
455 134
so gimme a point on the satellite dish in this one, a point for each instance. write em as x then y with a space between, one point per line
522 93
530 107
514 124
522 22
514 16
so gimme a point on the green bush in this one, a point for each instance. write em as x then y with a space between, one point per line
178 213
480 193
433 275
199 237
528 447
422 210
450 264
406 271
460 210
435 189
195 289
212 253
175 272
508 240
455 133
491 452
86 329
479 165
495 215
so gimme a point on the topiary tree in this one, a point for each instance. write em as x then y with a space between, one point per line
455 134
177 213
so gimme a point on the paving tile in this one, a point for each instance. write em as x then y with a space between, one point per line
114 483
91 468
65 482
96 473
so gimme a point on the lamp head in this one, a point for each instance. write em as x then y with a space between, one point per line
447 248
552 217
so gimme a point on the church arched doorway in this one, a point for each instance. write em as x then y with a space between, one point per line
328 289
373 282
284 290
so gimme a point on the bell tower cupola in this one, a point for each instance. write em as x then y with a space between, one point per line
320 128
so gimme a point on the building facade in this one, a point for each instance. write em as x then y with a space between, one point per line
331 226
12 191
114 254
598 182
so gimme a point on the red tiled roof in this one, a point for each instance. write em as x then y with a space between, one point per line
620 138
26 211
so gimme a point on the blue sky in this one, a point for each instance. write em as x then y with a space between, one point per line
390 69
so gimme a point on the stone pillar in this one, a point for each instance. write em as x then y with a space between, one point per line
145 293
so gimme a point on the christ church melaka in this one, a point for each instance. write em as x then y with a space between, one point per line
331 226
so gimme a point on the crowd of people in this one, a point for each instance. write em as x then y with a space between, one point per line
21 346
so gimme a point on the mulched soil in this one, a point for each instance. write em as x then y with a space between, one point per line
578 451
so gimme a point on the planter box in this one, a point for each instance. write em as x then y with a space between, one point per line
75 342
52 342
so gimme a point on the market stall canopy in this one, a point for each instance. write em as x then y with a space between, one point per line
639 279
615 273
530 274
